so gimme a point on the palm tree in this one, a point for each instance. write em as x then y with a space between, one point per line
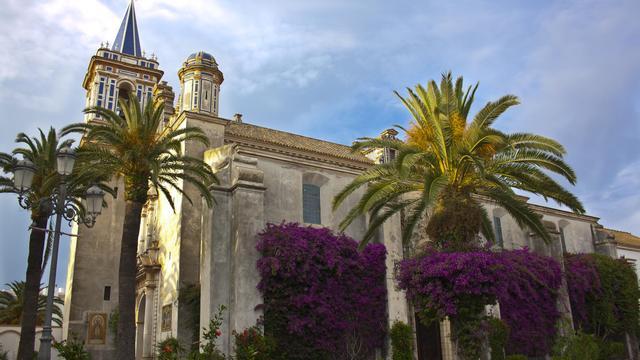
12 304
134 146
448 165
41 151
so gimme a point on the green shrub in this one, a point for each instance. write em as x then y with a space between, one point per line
401 341
579 346
113 324
611 350
3 354
71 349
170 349
208 350
252 344
516 357
498 336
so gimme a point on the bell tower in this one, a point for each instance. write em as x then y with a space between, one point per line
116 72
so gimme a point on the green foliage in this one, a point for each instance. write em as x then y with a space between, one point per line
11 307
401 336
516 357
137 148
190 297
4 355
611 350
113 323
578 346
252 344
209 350
498 336
468 332
170 349
71 349
448 154
615 310
582 346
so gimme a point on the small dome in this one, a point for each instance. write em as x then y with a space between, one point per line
202 57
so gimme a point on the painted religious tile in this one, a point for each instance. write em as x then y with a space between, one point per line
97 328
166 317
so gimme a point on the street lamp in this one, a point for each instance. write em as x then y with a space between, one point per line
63 207
23 175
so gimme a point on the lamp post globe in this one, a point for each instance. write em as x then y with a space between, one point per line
66 158
94 198
23 175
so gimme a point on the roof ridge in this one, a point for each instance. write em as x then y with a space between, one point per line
289 133
622 231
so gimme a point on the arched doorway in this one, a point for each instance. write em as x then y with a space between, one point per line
428 340
140 326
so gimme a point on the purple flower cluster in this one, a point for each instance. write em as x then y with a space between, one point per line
322 297
525 284
583 282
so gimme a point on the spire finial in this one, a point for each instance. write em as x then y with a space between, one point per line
128 41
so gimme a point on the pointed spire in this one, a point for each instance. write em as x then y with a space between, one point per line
127 41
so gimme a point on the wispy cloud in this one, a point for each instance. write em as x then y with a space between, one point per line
328 69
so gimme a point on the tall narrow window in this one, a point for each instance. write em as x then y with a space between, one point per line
497 227
562 240
311 204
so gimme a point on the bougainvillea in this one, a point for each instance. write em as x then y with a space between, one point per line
604 295
323 299
583 282
459 285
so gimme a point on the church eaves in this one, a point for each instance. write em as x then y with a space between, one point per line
128 41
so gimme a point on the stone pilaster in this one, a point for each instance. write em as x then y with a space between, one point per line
228 262
397 306
604 242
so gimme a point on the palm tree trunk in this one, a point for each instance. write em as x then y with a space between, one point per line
127 281
32 289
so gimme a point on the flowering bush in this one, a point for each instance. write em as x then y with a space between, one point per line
604 295
209 350
322 297
459 285
583 282
170 349
251 344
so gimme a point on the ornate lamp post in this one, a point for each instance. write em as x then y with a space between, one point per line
62 206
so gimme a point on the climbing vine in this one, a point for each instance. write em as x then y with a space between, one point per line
458 285
323 299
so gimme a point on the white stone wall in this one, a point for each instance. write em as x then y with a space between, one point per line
631 254
10 338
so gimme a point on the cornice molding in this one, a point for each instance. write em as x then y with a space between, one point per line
99 60
294 156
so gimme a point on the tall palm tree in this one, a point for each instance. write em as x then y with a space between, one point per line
12 304
134 146
41 151
447 165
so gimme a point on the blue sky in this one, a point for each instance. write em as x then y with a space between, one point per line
328 69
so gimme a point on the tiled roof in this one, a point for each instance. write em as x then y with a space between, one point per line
299 142
625 238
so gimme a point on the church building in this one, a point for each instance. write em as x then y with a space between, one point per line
266 176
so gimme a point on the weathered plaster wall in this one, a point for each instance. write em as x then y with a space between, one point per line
92 252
